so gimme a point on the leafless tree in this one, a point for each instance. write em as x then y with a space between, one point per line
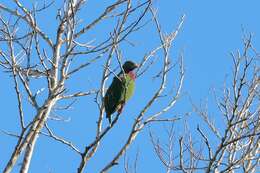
230 140
31 56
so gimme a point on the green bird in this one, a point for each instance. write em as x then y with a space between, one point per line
120 90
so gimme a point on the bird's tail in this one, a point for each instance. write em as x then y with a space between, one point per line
109 119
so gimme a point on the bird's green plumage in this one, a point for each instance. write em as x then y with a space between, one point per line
120 90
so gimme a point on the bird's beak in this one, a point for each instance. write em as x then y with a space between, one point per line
136 65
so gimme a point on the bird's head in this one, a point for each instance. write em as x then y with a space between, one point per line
129 66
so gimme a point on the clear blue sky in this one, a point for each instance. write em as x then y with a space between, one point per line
212 29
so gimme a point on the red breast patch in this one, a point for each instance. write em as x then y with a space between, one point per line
132 75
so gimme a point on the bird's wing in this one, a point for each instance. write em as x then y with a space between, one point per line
113 95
